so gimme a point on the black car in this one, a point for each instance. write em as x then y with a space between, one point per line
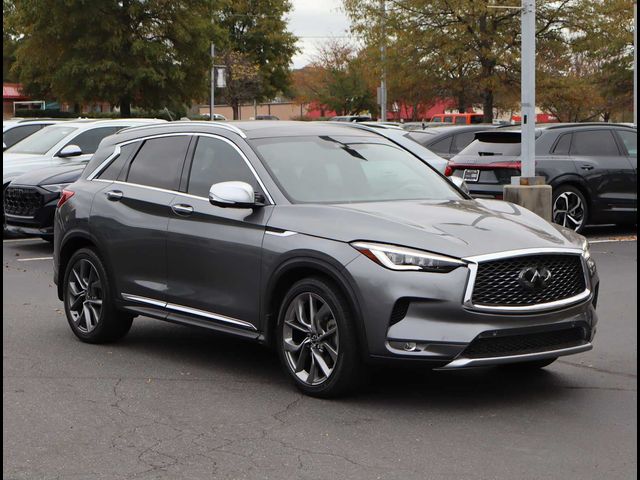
30 200
592 168
447 141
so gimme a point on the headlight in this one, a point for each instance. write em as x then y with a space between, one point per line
586 254
56 188
401 258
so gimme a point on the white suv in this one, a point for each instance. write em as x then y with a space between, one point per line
65 143
17 129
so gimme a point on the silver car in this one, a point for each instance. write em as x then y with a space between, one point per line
332 244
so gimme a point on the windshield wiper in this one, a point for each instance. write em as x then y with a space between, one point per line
344 146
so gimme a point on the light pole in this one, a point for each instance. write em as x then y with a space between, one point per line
635 63
213 82
383 61
528 190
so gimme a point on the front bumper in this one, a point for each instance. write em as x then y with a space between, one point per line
419 316
40 223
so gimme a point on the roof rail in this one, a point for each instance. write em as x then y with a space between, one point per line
586 124
226 126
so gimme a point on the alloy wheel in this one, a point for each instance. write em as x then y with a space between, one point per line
85 295
568 210
310 338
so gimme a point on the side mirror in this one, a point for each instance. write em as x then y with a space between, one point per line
460 183
4 146
70 151
233 195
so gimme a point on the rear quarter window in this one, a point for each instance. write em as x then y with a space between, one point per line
594 143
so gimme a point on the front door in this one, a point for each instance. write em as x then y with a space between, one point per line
214 253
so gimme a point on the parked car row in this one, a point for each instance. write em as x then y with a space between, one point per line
36 169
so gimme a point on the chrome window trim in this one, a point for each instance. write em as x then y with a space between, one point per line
192 311
472 265
286 233
104 164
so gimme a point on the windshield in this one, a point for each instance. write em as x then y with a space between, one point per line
41 142
349 169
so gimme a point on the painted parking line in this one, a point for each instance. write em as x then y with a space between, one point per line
16 240
34 259
611 240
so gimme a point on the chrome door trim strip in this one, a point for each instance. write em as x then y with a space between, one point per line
104 164
525 357
213 316
150 301
472 265
192 311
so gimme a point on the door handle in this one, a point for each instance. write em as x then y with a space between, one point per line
114 195
586 167
182 209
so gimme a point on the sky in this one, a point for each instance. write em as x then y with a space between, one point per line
314 21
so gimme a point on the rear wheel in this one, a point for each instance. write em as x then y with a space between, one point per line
570 208
88 300
317 341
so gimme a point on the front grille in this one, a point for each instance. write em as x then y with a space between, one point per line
490 346
22 201
499 282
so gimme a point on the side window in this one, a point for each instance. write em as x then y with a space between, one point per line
630 140
441 146
563 145
159 162
13 136
461 120
594 143
448 119
112 172
215 161
89 140
461 141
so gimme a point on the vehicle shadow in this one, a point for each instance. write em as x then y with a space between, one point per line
207 353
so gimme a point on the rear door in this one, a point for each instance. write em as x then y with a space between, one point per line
214 253
607 170
131 214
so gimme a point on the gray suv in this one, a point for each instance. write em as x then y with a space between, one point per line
332 244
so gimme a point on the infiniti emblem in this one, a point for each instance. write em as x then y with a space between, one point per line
534 278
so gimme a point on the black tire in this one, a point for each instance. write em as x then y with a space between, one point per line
531 365
112 324
348 371
559 194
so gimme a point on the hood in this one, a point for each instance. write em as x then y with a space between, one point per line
458 228
50 175
14 164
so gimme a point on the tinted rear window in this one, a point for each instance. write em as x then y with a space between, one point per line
493 148
13 136
630 140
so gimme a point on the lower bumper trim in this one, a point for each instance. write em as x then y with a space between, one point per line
488 361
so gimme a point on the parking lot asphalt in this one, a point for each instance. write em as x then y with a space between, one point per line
169 402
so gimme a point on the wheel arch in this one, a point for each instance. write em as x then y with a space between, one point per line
302 266
70 244
576 182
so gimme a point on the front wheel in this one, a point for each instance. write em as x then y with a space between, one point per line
88 301
570 208
317 341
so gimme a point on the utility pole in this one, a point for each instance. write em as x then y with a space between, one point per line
528 190
635 63
528 88
383 61
213 82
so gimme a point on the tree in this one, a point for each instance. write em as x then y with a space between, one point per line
9 42
472 48
256 32
151 53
